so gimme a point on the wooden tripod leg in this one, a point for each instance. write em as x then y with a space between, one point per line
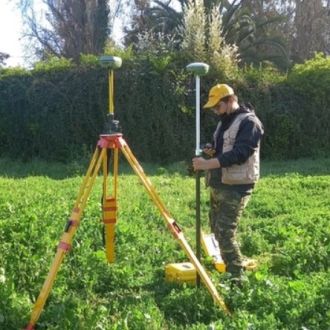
66 240
172 225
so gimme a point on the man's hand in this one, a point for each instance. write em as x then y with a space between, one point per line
200 163
209 150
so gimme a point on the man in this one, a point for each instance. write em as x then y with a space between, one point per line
232 170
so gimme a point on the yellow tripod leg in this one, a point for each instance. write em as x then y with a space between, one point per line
172 225
66 240
109 206
109 220
115 172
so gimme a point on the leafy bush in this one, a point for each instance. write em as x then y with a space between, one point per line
57 110
310 83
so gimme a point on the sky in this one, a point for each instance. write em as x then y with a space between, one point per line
10 33
11 30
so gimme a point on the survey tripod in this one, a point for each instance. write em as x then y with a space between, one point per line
112 141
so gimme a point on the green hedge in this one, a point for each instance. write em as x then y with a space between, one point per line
57 110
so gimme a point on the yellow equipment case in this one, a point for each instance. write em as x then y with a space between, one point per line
181 272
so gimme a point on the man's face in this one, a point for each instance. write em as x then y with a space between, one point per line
220 108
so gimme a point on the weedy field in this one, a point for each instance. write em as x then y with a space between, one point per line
285 226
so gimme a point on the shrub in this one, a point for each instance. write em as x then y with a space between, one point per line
56 111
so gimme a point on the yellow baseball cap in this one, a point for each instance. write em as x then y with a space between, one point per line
217 93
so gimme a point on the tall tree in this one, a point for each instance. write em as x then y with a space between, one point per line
305 24
269 41
312 28
72 27
3 58
239 26
141 21
202 38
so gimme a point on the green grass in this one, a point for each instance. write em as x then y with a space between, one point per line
285 226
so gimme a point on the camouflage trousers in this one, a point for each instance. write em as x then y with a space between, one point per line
226 209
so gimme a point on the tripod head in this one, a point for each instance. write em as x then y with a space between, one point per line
112 63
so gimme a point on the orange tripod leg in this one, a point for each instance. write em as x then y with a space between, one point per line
66 240
172 225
